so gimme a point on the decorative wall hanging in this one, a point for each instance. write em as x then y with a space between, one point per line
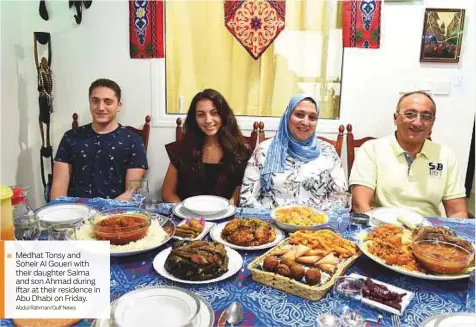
442 35
79 9
45 100
255 23
43 11
146 29
362 23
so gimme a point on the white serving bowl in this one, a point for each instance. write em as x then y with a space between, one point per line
292 227
206 205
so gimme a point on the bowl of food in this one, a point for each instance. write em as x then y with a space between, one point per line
442 257
206 205
121 225
293 218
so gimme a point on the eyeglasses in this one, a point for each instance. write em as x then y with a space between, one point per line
412 115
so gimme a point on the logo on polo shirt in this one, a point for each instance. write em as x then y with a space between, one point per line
436 169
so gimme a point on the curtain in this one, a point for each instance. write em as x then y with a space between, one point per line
305 57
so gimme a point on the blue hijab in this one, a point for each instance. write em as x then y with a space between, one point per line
284 143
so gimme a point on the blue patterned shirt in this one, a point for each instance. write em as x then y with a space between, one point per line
100 161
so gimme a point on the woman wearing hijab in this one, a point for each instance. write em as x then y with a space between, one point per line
294 167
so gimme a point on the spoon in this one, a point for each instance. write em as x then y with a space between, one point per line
235 313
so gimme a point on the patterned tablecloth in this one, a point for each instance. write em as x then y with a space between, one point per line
266 306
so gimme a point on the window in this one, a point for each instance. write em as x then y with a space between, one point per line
306 57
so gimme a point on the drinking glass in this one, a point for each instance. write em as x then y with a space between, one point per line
139 189
62 232
341 204
347 297
470 296
149 204
27 228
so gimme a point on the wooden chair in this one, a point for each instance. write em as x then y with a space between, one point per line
257 134
337 143
143 133
351 145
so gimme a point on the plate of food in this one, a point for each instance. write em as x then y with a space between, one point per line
129 230
247 234
384 296
397 216
197 262
181 212
292 218
192 229
434 253
306 264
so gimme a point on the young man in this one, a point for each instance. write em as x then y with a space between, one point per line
101 158
406 169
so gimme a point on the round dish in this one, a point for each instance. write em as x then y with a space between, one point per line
144 306
387 215
235 262
275 214
216 231
442 257
180 211
206 205
206 316
120 225
63 213
360 241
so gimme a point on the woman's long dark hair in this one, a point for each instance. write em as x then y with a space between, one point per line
235 153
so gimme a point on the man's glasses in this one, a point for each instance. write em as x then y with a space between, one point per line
412 115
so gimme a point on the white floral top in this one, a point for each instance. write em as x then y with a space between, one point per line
301 183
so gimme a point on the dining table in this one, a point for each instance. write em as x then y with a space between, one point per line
266 306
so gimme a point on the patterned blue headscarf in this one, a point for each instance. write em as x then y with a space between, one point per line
284 143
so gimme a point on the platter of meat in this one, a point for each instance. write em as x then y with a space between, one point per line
247 234
384 296
394 247
197 262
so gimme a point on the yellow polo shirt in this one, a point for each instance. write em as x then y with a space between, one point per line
433 176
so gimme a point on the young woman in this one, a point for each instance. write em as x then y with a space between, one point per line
294 167
212 157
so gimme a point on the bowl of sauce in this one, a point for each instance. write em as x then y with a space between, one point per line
442 257
120 226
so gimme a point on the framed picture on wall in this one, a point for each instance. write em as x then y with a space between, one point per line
442 35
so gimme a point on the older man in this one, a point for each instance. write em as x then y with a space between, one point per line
406 169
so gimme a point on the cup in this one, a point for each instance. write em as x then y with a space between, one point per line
358 221
470 296
347 297
27 228
341 204
138 189
62 232
150 205
327 320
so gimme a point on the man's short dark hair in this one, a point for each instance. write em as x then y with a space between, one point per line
433 104
104 82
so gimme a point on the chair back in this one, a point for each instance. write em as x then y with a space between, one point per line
351 145
143 133
250 141
336 143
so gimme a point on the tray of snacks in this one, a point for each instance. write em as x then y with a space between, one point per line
306 264
434 253
384 296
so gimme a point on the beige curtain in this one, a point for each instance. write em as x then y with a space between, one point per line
202 53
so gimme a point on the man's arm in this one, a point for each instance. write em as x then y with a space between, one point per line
169 188
456 208
131 174
362 197
61 177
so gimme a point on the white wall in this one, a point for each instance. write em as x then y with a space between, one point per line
99 47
